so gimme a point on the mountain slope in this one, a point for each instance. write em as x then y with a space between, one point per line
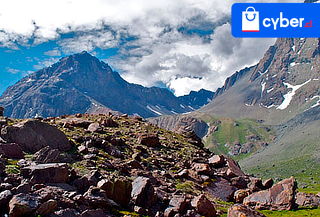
283 84
82 83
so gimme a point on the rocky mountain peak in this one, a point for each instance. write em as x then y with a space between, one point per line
82 83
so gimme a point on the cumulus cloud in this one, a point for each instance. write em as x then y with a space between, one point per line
185 44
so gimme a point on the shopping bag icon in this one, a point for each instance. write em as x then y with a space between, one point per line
250 20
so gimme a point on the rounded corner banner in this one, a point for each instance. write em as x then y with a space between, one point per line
275 20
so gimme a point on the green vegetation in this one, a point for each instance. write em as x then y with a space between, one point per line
187 187
309 212
230 131
304 169
12 167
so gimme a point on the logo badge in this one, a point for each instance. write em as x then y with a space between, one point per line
275 20
250 20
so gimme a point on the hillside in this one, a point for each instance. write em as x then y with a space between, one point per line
111 165
267 116
81 83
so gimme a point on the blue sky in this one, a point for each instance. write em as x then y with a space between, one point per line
182 45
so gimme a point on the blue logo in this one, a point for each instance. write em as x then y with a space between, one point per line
276 20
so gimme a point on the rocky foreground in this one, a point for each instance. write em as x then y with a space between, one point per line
106 165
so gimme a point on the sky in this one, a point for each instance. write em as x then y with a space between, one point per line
182 45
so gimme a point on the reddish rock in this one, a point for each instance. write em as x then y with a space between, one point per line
201 168
279 197
149 140
65 213
143 193
221 189
11 150
47 173
109 122
47 208
97 198
47 155
233 168
177 205
267 183
307 200
255 184
33 135
94 213
22 205
217 160
240 210
239 195
75 122
118 190
203 206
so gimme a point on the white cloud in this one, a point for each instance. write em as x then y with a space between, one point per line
53 53
159 53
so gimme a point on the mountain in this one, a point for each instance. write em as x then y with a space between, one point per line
267 115
282 85
81 83
197 99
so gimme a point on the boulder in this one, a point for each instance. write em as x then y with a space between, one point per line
65 213
22 205
109 122
75 122
47 173
32 135
47 155
11 150
97 198
47 207
5 197
118 190
143 193
203 206
95 128
217 161
94 213
201 168
307 200
233 168
149 140
239 210
240 194
255 184
279 197
177 205
221 189
267 183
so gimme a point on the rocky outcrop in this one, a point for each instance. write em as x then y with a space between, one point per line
11 150
33 135
133 166
279 197
240 210
181 124
46 173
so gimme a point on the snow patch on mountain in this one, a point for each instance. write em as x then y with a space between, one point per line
153 110
288 97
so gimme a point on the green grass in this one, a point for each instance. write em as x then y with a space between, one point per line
309 212
305 170
187 187
232 131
